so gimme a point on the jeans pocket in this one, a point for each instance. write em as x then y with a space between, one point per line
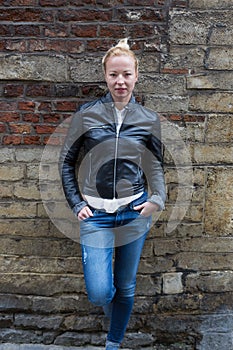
139 201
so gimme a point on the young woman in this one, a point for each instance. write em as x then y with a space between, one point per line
115 142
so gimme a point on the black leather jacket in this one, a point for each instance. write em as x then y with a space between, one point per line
111 163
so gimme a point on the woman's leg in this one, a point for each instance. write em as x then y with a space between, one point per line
97 254
97 268
127 258
120 229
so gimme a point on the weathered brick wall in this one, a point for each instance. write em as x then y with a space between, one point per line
50 62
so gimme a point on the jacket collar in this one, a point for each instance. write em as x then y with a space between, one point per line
108 99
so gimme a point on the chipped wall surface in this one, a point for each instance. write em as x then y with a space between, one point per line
50 63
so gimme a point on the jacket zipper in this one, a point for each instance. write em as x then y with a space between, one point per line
116 149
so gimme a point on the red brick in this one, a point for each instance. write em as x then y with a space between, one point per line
141 30
27 30
31 140
137 45
56 30
162 3
68 15
145 2
83 3
67 106
111 3
74 46
38 90
116 30
12 140
26 15
26 106
31 117
36 45
54 3
175 71
45 129
84 15
2 128
23 2
45 106
20 128
179 3
92 90
9 117
8 106
67 90
102 3
175 117
16 45
2 45
100 45
6 30
84 31
194 118
52 118
13 90
56 45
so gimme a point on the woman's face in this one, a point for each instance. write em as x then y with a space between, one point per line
121 76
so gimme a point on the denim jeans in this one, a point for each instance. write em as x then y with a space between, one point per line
117 237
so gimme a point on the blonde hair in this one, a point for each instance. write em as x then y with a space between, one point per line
122 48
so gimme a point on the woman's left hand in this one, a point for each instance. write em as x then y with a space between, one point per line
147 208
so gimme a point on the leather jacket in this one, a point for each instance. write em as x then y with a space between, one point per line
100 160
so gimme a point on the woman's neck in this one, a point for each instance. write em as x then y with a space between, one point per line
120 105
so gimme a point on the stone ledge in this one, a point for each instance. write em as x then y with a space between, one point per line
8 346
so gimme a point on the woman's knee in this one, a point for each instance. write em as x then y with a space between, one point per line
101 297
126 291
99 300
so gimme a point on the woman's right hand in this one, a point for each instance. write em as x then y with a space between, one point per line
84 213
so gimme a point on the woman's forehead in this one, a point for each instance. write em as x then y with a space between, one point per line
120 62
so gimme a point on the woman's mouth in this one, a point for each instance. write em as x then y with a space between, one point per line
121 90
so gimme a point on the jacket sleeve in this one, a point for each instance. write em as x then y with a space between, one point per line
70 156
153 166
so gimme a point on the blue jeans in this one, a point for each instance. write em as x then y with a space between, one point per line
123 233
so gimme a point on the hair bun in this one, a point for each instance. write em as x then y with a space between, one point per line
122 48
123 43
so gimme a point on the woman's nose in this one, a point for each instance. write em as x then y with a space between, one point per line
120 80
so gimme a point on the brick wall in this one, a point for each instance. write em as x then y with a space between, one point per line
50 62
